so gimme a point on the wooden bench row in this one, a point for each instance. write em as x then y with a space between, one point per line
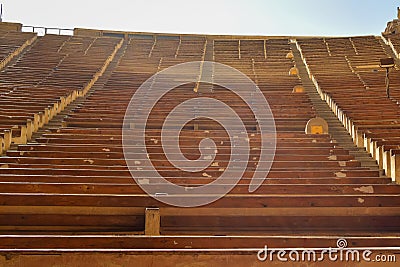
36 98
359 99
75 179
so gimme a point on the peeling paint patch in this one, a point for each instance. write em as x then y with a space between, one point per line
137 162
333 157
342 163
4 166
106 149
314 140
365 189
90 161
155 141
206 175
144 181
215 164
360 200
207 157
221 169
340 174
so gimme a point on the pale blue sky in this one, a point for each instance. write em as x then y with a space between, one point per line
264 17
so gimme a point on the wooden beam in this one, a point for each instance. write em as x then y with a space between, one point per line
152 221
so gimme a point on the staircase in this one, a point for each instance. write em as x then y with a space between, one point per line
57 120
207 73
336 129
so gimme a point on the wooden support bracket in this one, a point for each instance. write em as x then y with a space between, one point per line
2 145
29 129
7 139
386 163
22 139
395 168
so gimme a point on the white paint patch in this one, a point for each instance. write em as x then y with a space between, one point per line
215 164
360 200
106 150
144 181
333 157
314 140
90 161
137 162
206 175
340 174
342 163
221 169
365 189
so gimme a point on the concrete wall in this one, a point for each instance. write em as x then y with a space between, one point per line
10 26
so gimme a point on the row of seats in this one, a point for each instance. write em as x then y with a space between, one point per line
359 97
12 43
52 73
74 179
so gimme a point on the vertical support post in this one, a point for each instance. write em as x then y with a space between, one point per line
152 221
387 82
